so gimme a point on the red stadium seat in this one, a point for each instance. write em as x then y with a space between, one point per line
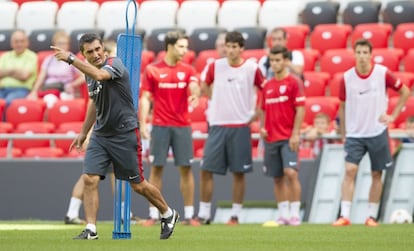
406 77
311 57
41 55
315 105
147 57
306 153
334 84
25 110
377 33
67 111
5 128
330 36
296 36
315 83
188 57
254 54
409 61
30 128
43 152
407 111
338 60
2 106
70 128
388 57
15 152
403 37
198 114
204 58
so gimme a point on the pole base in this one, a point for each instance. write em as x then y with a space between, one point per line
121 235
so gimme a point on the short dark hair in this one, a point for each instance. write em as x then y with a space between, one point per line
278 49
88 38
363 42
172 37
235 37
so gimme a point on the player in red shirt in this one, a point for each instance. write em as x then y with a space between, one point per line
171 86
283 102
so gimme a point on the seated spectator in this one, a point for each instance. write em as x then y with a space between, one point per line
409 129
322 125
57 77
18 68
278 36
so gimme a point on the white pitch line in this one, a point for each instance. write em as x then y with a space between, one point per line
36 227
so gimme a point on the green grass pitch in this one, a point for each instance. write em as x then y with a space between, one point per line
42 235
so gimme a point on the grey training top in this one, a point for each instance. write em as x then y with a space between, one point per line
115 112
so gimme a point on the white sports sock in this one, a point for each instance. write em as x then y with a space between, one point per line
167 214
283 209
74 206
91 227
346 209
236 209
295 209
188 212
373 209
205 210
153 213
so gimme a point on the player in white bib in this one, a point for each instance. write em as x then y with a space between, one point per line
363 122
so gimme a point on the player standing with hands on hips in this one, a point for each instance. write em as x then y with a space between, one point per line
363 122
115 137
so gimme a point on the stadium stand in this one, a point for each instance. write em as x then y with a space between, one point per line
8 12
15 152
77 15
205 57
41 39
204 39
111 16
408 110
398 12
77 33
406 77
70 128
157 14
409 61
311 57
114 34
388 56
315 83
36 15
296 36
30 128
64 111
43 152
287 12
254 37
336 60
238 13
315 105
403 36
316 13
377 33
197 14
155 40
334 84
25 110
361 12
330 36
5 36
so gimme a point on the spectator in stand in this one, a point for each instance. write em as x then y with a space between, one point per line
409 129
18 68
363 122
57 77
312 135
295 62
283 101
171 86
231 85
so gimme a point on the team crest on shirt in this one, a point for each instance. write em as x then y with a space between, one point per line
282 89
181 75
